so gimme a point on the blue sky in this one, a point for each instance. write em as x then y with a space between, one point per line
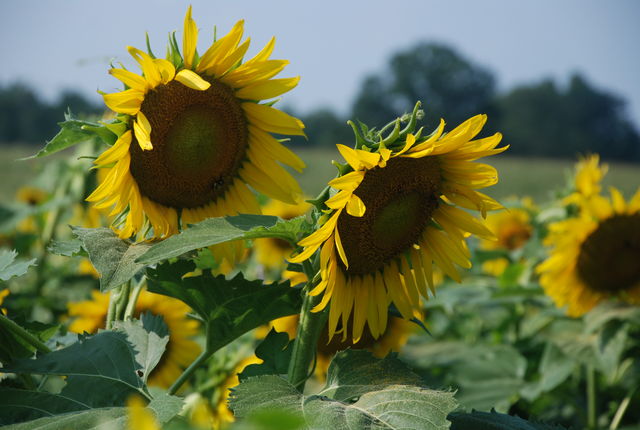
331 44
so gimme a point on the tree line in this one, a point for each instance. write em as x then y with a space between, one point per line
537 119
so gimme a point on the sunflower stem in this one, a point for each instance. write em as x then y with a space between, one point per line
622 408
133 299
591 397
202 358
23 334
309 328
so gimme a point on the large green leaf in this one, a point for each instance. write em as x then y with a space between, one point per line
218 230
494 421
66 248
149 336
113 258
275 356
555 367
100 369
229 307
163 406
361 392
10 267
72 132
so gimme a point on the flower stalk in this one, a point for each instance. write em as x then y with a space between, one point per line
309 328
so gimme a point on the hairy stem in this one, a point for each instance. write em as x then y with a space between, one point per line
622 408
309 328
591 398
23 334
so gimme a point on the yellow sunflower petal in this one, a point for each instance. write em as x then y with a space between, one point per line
264 90
272 120
142 129
189 39
192 80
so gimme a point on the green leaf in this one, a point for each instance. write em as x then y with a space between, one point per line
150 336
494 421
369 394
218 230
100 369
275 355
489 376
72 132
608 311
66 248
10 267
162 405
555 367
14 347
113 258
229 307
272 419
353 373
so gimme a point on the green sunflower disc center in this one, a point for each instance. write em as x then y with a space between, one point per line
400 199
199 142
609 259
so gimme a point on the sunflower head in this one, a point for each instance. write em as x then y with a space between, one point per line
512 229
393 212
192 136
588 176
594 255
89 316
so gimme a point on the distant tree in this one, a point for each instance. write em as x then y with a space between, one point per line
324 127
449 86
25 118
545 120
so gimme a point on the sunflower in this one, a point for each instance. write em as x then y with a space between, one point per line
91 315
595 255
4 293
512 228
589 174
273 252
394 215
222 415
32 197
193 137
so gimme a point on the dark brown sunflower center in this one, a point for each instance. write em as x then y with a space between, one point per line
609 259
399 200
514 236
199 141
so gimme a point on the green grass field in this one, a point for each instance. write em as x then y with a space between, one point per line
535 177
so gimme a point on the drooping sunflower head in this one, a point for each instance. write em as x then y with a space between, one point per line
594 255
89 316
192 135
512 229
394 213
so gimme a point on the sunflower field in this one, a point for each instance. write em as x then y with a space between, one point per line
167 271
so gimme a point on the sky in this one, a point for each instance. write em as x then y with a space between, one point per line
332 45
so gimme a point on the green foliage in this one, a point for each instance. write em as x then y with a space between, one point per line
493 421
213 231
163 406
102 372
274 353
66 248
14 347
361 392
10 267
72 132
228 307
150 336
113 258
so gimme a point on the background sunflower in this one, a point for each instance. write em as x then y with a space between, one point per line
89 316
